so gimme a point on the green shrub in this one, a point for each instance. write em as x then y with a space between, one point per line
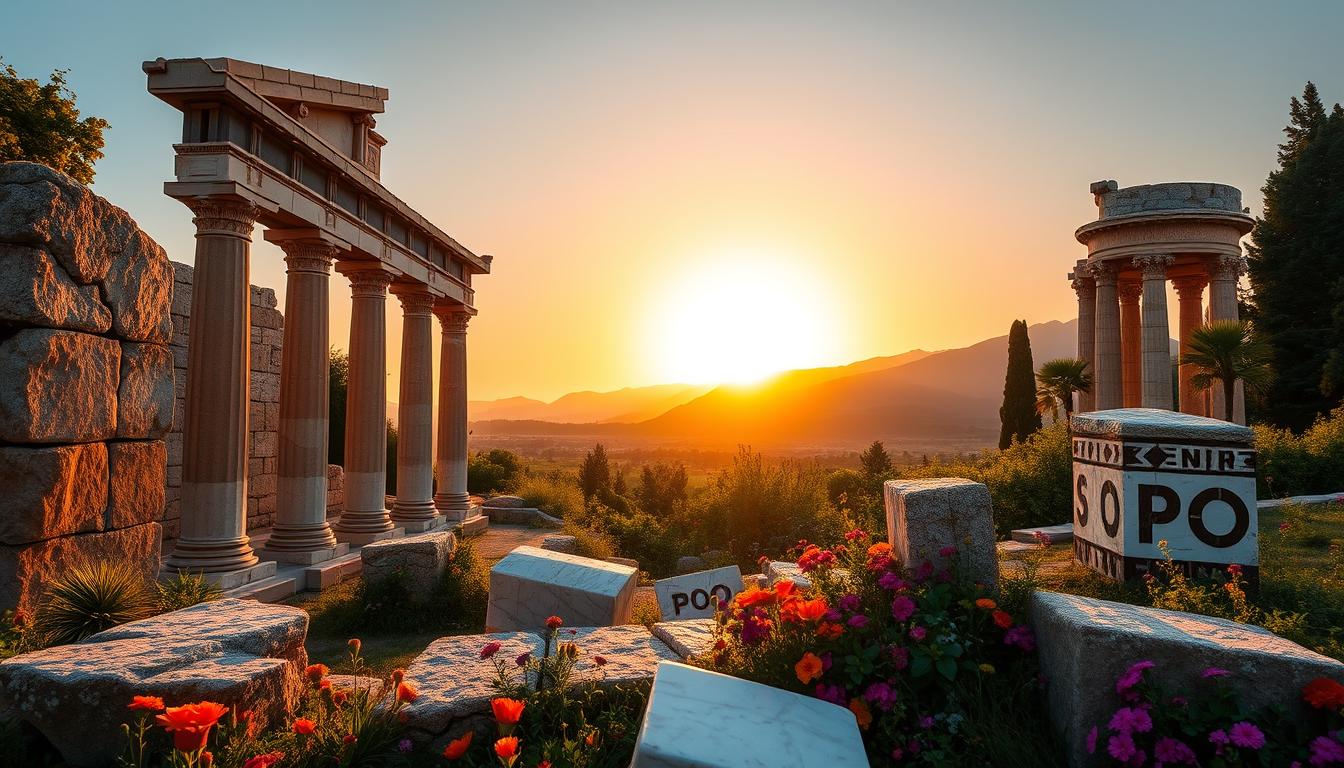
1300 465
184 590
589 542
90 599
493 471
556 496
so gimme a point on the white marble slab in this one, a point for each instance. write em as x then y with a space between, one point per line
531 584
699 719
687 638
692 595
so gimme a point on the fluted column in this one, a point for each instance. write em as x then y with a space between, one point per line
365 516
1156 331
1086 288
1131 343
451 468
414 508
1224 272
214 431
301 533
1190 293
1107 377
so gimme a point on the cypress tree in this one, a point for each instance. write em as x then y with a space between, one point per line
1018 415
1297 266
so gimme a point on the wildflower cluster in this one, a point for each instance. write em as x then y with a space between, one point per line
895 646
1206 726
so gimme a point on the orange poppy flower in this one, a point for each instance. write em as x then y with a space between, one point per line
861 712
785 588
1003 619
811 610
398 675
507 711
457 747
1324 693
986 604
315 672
146 703
591 738
507 750
304 727
827 630
880 549
753 596
190 724
808 668
406 692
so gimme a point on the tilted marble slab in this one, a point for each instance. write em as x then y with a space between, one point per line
688 637
531 584
697 719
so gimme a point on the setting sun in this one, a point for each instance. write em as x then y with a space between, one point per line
740 319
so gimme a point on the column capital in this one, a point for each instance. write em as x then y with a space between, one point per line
1130 291
366 278
231 216
1154 265
1190 286
453 316
1103 273
1082 282
1227 267
415 299
308 255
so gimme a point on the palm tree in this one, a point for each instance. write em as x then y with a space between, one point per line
1056 382
1228 351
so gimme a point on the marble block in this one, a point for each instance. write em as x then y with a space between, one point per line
629 653
1086 644
696 595
687 638
690 709
420 559
925 516
531 584
783 569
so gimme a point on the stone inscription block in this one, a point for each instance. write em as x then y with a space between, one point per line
926 516
530 584
1142 476
692 595
769 726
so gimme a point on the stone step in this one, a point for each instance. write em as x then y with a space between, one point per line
320 576
474 526
1059 534
270 590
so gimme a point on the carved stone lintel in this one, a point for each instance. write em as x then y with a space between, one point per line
223 216
301 256
1154 265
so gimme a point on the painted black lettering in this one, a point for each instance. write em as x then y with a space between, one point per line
1240 526
1148 517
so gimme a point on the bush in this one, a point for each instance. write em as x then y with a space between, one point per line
589 542
90 599
556 496
185 590
1300 465
493 471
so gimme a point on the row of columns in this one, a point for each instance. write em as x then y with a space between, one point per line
214 470
1123 330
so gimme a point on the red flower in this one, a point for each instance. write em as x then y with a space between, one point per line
1324 693
304 727
190 724
1003 619
315 672
406 693
146 703
264 761
507 711
554 622
354 645
348 738
600 661
457 747
507 750
489 649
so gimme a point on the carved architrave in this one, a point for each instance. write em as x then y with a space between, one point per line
223 216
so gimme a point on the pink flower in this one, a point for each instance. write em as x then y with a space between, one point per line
891 581
1215 672
900 656
857 533
490 649
1092 741
1022 637
1326 751
1169 750
881 695
1121 747
902 608
1132 677
1246 735
918 634
858 621
947 551
1131 720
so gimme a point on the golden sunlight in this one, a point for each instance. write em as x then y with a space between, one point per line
738 320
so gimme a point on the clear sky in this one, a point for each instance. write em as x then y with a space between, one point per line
708 190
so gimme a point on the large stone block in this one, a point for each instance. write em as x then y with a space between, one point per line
35 290
136 481
237 652
1142 476
139 290
145 394
688 637
53 491
422 559
58 387
27 569
1086 644
46 208
530 584
456 684
770 726
926 516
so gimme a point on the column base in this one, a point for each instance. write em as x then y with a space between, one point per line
211 555
227 580
414 515
424 526
306 556
360 538
453 506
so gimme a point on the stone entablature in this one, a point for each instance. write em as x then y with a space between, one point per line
1171 196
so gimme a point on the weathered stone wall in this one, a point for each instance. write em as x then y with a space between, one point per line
1192 195
86 385
264 418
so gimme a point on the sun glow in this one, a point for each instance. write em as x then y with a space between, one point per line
738 320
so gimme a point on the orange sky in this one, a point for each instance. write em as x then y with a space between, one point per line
841 181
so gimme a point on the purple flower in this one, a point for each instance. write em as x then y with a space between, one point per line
832 693
1131 720
1020 636
1121 747
833 615
900 655
1246 735
1219 740
826 661
947 551
902 608
1169 750
891 581
848 603
1215 672
1326 751
881 695
523 658
1132 677
858 621
926 722
405 745
918 633
1092 741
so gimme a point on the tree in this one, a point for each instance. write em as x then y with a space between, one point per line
390 480
1228 351
492 471
39 123
1296 261
1056 382
338 379
1018 415
875 461
595 473
618 484
661 488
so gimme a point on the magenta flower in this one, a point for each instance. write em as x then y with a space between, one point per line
858 621
848 603
857 533
1246 735
918 634
1020 636
490 649
1131 720
832 693
947 551
902 608
926 722
891 581
1169 751
900 656
1092 741
1132 677
1121 747
1215 672
1326 751
523 658
881 695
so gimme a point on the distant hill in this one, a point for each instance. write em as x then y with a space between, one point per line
631 404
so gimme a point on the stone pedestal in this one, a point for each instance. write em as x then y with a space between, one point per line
926 516
1142 476
531 584
769 726
421 559
450 470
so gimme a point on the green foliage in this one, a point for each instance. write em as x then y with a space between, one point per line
338 380
1057 381
555 495
859 495
89 599
1300 465
1297 266
390 480
493 471
1226 352
595 473
185 589
875 461
661 488
1017 416
39 123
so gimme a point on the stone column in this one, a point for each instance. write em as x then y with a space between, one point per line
1190 291
1156 333
1106 379
364 518
1131 343
451 468
214 430
414 509
301 533
1224 272
1086 289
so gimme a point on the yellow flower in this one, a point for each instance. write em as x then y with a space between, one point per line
988 669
